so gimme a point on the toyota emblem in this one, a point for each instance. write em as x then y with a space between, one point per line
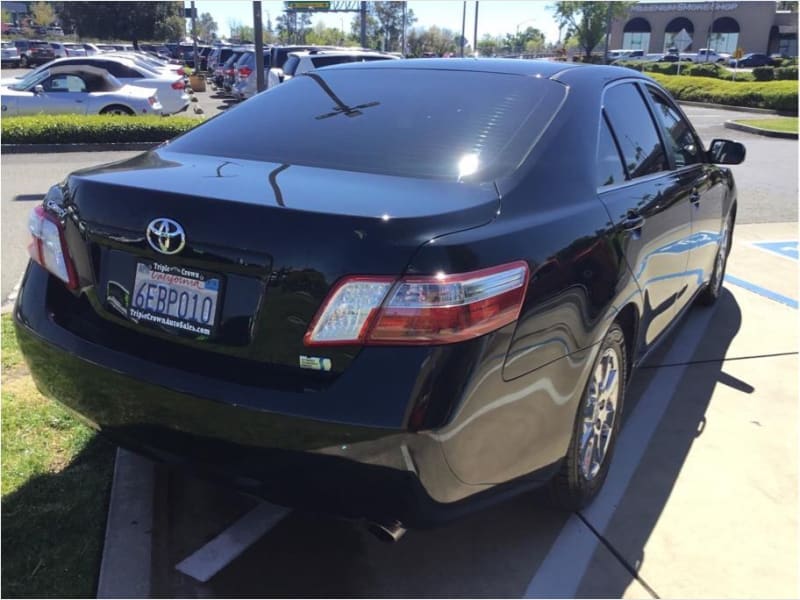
166 236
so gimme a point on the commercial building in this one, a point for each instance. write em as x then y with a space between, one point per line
766 27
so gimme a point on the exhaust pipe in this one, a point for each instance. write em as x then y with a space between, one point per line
389 531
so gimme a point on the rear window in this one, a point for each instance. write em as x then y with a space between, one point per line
406 122
39 45
324 61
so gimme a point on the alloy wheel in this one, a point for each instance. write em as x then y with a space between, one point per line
599 414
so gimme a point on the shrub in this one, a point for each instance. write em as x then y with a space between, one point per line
774 95
789 72
84 129
665 68
636 65
705 70
764 73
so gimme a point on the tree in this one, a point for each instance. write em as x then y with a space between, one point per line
490 45
241 31
321 35
588 21
205 27
42 13
432 40
292 27
124 20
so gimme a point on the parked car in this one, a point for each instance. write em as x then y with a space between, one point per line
171 87
751 60
10 55
75 50
280 54
304 61
225 70
218 56
33 52
76 90
156 50
91 49
355 326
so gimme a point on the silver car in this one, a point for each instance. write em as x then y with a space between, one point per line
10 56
76 90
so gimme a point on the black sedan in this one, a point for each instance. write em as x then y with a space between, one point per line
395 290
751 60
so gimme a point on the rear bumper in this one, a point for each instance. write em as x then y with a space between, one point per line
232 432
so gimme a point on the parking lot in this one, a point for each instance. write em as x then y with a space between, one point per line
701 498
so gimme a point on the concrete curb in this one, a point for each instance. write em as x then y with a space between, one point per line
58 148
126 568
787 135
763 111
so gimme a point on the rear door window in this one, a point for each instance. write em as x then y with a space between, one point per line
635 130
610 170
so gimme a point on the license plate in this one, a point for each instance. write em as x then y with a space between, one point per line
178 298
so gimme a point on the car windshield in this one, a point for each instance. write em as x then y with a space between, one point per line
404 122
39 45
30 79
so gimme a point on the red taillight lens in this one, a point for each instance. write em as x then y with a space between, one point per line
439 309
49 248
180 71
245 72
178 85
228 71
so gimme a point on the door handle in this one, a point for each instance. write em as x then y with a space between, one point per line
633 222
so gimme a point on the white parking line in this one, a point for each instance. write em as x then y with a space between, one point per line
562 571
229 545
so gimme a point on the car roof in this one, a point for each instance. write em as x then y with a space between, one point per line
509 66
305 53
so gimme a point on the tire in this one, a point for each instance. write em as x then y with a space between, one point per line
584 468
713 289
116 109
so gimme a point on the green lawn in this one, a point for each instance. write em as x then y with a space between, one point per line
786 124
56 476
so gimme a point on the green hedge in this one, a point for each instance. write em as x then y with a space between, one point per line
775 95
789 72
764 73
85 129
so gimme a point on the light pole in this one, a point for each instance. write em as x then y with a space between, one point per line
463 26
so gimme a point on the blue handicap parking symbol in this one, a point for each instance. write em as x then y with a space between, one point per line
787 249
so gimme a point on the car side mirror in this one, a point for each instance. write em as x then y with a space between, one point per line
38 89
726 152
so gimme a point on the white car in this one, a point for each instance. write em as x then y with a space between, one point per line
76 90
170 87
64 50
150 62
308 60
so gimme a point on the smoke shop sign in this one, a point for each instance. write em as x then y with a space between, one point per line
685 7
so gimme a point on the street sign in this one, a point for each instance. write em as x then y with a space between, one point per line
683 40
307 6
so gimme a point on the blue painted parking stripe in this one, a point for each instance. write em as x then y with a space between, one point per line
786 249
757 289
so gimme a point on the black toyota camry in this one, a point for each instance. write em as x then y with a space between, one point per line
395 290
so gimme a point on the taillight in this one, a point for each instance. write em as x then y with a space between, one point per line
178 85
245 72
180 71
437 309
49 248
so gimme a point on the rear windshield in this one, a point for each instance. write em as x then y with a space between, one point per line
39 45
325 61
406 122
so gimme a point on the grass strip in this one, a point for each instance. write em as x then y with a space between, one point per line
783 124
55 489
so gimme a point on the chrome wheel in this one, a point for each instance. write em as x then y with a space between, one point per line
722 257
599 413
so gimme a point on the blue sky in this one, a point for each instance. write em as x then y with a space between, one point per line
495 17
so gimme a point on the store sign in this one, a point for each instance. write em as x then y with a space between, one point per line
685 7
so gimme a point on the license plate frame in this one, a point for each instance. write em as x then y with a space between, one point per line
167 310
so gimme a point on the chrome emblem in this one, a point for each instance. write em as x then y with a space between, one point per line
166 236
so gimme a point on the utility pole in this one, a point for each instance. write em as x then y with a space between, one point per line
608 33
463 26
194 38
403 35
258 34
475 34
363 24
711 31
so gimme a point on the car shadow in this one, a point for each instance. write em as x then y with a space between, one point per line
54 527
28 197
491 553
682 424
